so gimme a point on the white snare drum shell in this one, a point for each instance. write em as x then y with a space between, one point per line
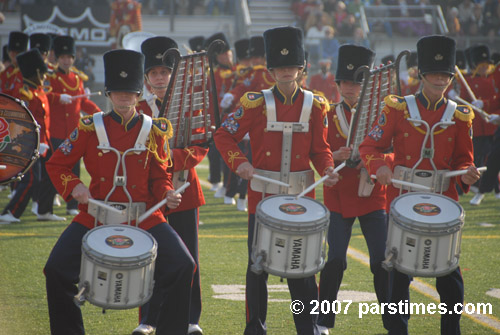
425 234
290 236
118 266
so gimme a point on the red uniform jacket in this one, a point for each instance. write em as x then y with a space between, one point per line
257 79
65 117
125 13
38 104
343 197
147 177
10 78
326 85
266 146
484 89
185 159
452 145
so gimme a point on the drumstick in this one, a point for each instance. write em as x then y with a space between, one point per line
464 82
103 205
322 179
462 172
406 183
161 203
485 115
85 95
269 180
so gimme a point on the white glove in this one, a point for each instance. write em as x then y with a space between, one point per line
86 90
478 103
43 148
452 94
227 100
494 118
65 99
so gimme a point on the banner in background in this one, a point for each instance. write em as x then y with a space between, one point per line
89 26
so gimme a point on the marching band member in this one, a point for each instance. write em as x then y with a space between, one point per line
65 83
147 182
224 75
43 42
411 83
452 150
185 218
196 43
324 81
480 81
285 59
33 70
347 200
11 76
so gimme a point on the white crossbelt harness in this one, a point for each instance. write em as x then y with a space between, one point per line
287 128
131 210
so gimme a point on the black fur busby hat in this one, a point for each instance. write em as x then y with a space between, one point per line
387 59
412 60
40 41
242 48
18 41
284 47
495 57
5 53
64 45
460 59
123 71
153 49
256 47
351 58
197 43
480 54
218 36
31 63
436 53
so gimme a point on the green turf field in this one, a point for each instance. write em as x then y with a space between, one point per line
25 247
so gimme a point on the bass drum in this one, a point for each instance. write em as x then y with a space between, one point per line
19 139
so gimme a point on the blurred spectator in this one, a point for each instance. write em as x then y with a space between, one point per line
348 26
359 38
324 82
330 47
491 17
302 9
466 14
340 15
313 39
453 22
315 16
380 11
330 6
477 21
354 8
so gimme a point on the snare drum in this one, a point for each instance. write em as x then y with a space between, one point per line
117 267
290 236
19 139
424 236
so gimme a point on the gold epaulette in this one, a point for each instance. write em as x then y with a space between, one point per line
395 101
321 102
25 92
87 123
252 99
464 113
51 74
259 67
162 127
225 73
79 73
16 70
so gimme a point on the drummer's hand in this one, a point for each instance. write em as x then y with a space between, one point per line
342 154
81 193
173 200
384 175
333 177
471 176
245 170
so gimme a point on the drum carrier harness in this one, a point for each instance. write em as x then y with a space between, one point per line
435 179
298 180
131 210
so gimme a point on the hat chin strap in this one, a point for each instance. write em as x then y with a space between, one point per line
437 87
155 87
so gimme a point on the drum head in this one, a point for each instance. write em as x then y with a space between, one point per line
19 138
287 208
427 209
119 241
